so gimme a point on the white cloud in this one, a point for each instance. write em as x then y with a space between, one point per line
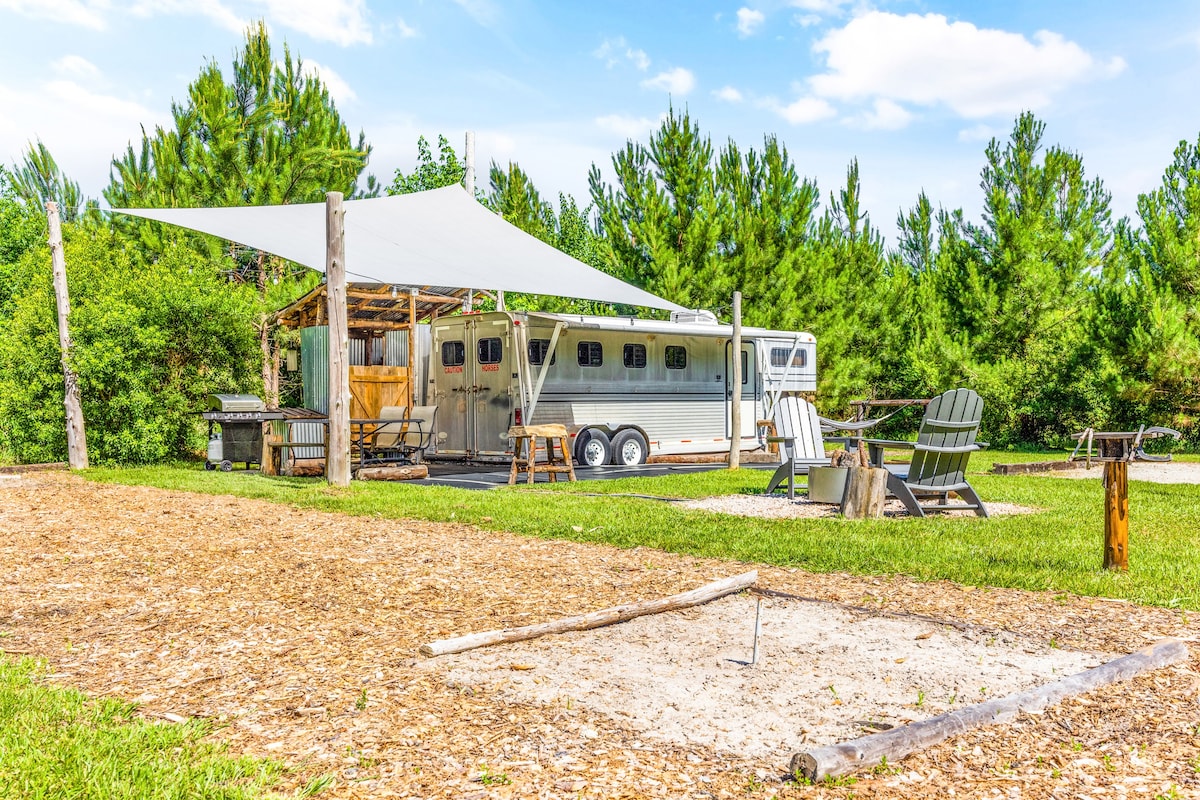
57 111
886 115
979 133
214 10
339 90
928 60
729 94
343 22
86 13
484 12
678 81
627 127
405 30
749 21
76 67
614 51
803 110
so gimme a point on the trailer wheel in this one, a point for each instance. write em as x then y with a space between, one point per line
226 466
592 448
629 448
208 465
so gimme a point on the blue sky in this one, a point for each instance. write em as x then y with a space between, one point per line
913 88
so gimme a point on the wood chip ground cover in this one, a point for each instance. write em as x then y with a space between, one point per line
299 632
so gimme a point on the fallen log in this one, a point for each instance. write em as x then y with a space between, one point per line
595 619
895 744
405 472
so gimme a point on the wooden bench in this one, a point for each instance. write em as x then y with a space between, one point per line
525 452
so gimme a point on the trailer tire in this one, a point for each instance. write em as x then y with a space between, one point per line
208 465
226 466
629 448
592 448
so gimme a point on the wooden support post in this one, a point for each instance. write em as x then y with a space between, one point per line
412 348
1116 515
469 185
77 454
839 759
866 490
735 373
337 454
596 619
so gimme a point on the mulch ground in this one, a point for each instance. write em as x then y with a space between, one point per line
297 632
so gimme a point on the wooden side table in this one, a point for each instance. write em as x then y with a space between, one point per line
525 452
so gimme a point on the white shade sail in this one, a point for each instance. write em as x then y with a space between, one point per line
440 237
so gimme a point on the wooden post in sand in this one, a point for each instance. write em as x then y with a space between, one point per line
77 454
1116 515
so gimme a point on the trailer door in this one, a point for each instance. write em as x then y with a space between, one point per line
492 391
474 393
750 391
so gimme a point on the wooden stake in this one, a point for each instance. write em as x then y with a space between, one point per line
596 619
77 454
735 373
1116 515
337 454
838 759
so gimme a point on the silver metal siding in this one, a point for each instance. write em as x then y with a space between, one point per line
314 367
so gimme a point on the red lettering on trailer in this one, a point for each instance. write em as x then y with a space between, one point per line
452 370
491 367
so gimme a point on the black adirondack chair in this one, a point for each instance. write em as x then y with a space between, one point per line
938 467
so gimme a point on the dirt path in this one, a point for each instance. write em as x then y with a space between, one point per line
300 630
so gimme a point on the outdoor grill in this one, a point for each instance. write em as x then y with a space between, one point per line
240 439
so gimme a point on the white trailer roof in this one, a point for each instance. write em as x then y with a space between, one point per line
663 326
440 237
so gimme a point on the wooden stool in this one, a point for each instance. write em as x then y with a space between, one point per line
525 452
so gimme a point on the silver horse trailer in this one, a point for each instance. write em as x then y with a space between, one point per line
625 388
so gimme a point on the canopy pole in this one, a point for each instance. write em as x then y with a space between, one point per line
337 454
412 349
469 185
77 455
735 409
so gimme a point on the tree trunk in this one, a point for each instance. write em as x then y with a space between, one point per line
595 619
866 490
838 759
77 453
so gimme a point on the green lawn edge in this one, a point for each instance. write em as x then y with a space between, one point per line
1058 548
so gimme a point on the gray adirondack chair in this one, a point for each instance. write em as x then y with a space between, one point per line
798 430
938 467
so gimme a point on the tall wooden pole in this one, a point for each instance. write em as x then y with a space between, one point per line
735 410
469 185
412 349
337 453
77 455
1116 515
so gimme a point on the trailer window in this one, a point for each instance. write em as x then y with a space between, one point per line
635 356
537 352
745 367
779 357
454 354
676 357
491 350
591 354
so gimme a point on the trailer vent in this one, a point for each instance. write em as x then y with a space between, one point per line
699 315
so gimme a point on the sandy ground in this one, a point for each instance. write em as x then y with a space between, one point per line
297 633
824 674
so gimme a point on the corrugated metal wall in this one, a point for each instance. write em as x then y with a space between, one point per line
395 350
314 367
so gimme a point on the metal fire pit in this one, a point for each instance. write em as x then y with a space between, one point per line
241 417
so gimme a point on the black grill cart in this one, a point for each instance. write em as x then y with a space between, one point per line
240 439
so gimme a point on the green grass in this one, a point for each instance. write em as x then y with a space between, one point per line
56 743
1057 549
